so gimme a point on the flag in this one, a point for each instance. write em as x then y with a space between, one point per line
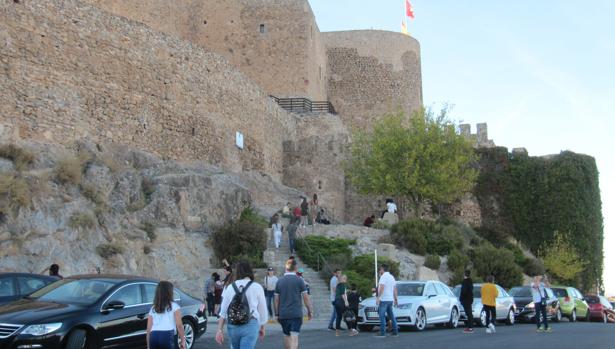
404 29
409 10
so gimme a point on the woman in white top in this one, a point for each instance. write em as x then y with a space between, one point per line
164 319
277 228
244 336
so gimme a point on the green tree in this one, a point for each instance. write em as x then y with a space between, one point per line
415 158
561 259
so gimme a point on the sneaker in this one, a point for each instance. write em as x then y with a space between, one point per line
548 330
331 328
540 329
353 332
488 330
468 330
492 328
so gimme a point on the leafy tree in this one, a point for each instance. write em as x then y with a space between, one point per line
414 158
562 259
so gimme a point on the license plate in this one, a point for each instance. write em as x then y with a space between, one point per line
371 314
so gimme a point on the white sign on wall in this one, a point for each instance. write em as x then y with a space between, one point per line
239 139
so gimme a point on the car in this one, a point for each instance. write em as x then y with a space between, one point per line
91 311
598 308
504 306
571 302
525 305
17 285
420 303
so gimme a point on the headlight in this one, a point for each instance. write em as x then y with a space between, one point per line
42 329
404 306
530 306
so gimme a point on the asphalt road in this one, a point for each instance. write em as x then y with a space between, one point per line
565 336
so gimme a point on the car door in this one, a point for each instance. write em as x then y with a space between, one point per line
431 302
444 302
502 303
580 304
124 328
8 289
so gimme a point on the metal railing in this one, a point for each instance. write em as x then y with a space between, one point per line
304 105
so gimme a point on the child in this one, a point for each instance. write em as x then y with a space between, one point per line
488 295
164 319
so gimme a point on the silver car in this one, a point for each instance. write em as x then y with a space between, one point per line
504 306
420 303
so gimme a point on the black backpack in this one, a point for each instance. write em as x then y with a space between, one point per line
239 310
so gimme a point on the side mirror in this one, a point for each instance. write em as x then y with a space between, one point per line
115 305
431 296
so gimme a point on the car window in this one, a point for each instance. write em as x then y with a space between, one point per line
560 292
476 292
28 285
441 289
129 295
520 292
414 289
7 287
150 292
592 300
72 291
550 293
429 290
501 292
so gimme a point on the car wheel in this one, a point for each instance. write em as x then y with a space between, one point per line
573 316
421 320
189 333
558 315
510 319
587 317
604 318
483 318
366 328
454 320
76 339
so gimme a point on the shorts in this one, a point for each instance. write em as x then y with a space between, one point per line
291 327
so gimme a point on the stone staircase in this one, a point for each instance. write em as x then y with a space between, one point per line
319 289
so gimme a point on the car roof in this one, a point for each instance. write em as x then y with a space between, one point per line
39 276
118 277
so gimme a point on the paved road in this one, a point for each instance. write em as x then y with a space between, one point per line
565 336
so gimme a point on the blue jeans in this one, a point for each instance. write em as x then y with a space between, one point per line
386 309
244 336
269 295
333 315
162 340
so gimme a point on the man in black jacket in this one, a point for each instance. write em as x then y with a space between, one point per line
466 297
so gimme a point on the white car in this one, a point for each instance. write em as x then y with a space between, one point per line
420 303
504 306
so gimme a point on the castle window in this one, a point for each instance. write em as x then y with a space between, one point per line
193 131
262 28
319 185
204 22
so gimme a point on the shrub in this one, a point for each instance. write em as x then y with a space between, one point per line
432 261
92 194
69 170
14 192
313 247
497 238
250 216
489 260
107 251
411 235
361 272
20 157
381 224
457 261
533 266
81 220
239 240
443 239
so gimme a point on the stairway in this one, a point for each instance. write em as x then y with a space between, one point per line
319 289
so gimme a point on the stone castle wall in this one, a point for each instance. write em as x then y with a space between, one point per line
275 42
71 71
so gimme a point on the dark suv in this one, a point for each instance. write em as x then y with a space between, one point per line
16 285
91 311
525 305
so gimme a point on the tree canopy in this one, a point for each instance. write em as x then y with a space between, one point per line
418 157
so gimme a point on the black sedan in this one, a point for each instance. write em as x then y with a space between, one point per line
17 285
91 311
525 305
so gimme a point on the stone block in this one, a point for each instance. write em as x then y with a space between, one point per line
387 251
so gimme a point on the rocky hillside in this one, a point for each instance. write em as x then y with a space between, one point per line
119 210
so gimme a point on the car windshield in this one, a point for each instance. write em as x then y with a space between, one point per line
520 292
413 289
560 292
592 299
74 291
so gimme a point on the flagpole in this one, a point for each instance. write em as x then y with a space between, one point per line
376 269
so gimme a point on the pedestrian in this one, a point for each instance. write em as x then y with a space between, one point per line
391 206
354 298
270 281
314 208
488 294
322 218
297 213
466 298
341 305
386 299
305 210
210 290
218 288
164 320
292 235
243 305
332 285
54 271
369 221
286 210
277 229
539 297
290 292
307 283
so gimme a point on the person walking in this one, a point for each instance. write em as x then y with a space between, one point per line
332 287
243 336
277 229
313 208
488 294
292 235
466 298
210 290
218 288
289 294
539 297
341 305
386 299
305 210
354 298
270 282
164 319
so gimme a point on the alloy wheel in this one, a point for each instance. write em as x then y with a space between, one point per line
573 317
421 319
189 333
454 318
558 315
483 318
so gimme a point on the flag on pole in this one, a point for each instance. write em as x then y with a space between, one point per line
409 10
404 29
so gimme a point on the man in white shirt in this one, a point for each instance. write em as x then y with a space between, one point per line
539 297
391 206
332 286
386 298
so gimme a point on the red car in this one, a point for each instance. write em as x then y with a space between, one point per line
599 308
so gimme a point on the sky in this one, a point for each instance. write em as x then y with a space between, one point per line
540 73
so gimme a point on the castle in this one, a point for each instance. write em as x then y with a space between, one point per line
183 79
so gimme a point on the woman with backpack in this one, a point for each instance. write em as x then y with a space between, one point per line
164 319
341 304
244 308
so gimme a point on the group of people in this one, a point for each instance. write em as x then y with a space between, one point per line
214 286
391 208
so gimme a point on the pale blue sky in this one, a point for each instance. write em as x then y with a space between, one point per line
540 73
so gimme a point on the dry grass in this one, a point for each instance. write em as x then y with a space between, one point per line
69 170
81 220
107 251
20 157
14 192
150 229
110 162
94 195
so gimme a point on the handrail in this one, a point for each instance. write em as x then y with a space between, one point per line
317 253
303 105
